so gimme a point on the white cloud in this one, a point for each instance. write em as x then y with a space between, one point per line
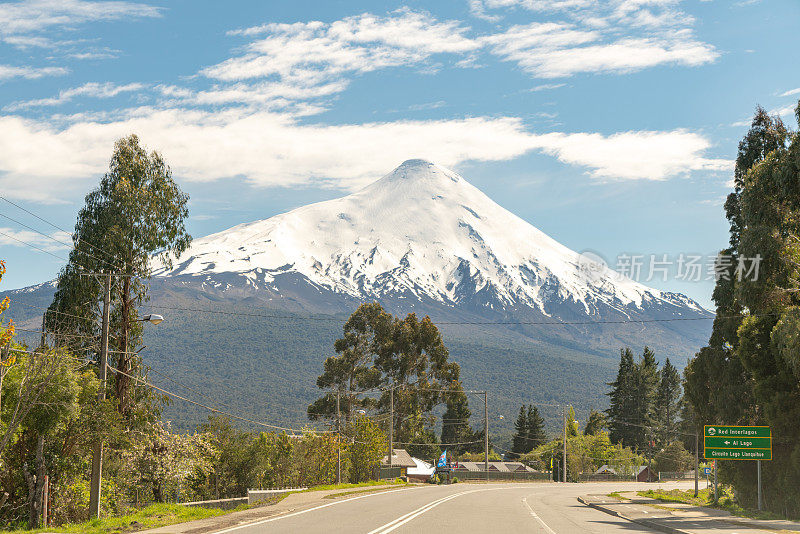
36 15
91 89
30 73
634 155
785 111
273 149
791 92
583 36
546 87
316 51
17 238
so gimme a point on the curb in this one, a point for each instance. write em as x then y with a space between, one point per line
650 523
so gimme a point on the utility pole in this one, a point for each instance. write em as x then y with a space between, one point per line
338 441
696 459
564 416
391 425
4 362
97 460
44 334
486 434
716 468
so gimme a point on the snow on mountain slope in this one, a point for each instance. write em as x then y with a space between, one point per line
421 231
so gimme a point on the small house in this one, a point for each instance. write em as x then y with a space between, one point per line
401 459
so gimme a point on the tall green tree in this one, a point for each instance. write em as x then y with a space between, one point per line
667 404
519 442
535 428
644 394
367 334
747 373
455 423
132 221
406 358
622 399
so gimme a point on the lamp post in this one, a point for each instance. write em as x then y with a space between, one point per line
97 459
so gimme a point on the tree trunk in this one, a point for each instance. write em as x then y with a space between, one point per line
35 486
123 361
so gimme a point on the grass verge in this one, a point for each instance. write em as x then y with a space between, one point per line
705 497
155 515
396 482
355 492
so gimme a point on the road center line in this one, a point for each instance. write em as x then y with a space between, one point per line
402 520
285 516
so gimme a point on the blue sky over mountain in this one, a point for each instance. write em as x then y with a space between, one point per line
611 126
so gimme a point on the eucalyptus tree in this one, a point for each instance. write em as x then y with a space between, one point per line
132 221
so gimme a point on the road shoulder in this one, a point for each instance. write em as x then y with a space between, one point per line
294 502
679 518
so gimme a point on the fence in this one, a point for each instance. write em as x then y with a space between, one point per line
676 475
385 472
498 475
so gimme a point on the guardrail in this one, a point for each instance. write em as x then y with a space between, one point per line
224 504
256 496
497 475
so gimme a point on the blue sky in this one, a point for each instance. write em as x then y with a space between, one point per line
611 126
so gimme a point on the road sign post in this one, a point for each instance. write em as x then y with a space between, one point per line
758 463
722 442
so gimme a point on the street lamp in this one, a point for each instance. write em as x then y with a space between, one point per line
152 318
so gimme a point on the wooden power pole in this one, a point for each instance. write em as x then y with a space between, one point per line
97 459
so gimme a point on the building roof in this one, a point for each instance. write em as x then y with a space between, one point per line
497 466
467 466
400 458
518 467
640 469
422 468
605 469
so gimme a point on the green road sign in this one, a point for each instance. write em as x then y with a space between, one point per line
737 442
737 431
738 454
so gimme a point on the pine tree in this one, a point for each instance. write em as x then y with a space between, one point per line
621 400
667 404
535 424
455 426
641 414
519 442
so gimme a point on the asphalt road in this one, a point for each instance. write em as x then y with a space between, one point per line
465 508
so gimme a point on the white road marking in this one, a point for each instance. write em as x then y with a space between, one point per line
402 520
285 516
537 518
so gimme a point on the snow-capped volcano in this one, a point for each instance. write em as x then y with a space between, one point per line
422 231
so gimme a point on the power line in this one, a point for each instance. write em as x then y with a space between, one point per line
60 335
215 410
34 247
55 240
59 228
47 310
